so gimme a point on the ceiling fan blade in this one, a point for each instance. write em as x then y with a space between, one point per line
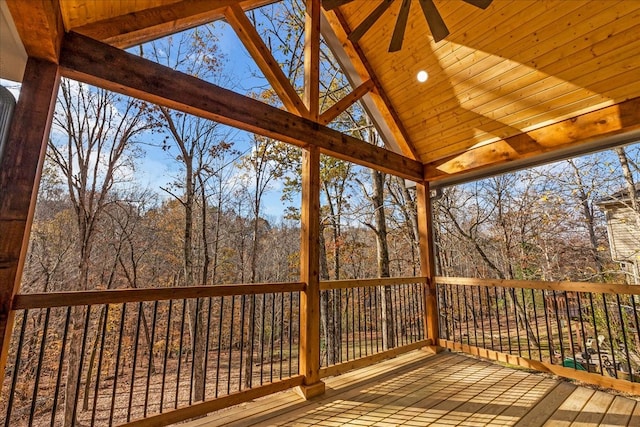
437 26
482 4
369 21
332 4
401 25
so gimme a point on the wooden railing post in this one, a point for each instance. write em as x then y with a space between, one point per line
20 169
427 261
309 273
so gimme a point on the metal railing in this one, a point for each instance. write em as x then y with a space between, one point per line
364 318
112 357
589 331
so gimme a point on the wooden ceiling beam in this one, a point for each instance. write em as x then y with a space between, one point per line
605 128
358 70
139 27
39 24
265 60
86 60
341 106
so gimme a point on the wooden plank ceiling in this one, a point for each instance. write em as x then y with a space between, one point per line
516 82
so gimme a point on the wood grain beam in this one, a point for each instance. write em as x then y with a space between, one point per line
265 60
358 70
149 24
39 24
341 106
310 274
84 59
312 58
20 169
579 135
427 260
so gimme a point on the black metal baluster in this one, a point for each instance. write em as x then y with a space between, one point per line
184 311
150 361
273 329
635 316
346 292
484 343
548 326
608 321
353 321
60 363
506 313
459 312
364 303
495 292
16 369
535 316
486 288
526 322
233 309
99 370
194 346
359 302
290 332
514 296
624 336
587 357
82 351
219 355
207 349
595 331
117 369
466 314
135 360
281 331
39 367
570 331
167 342
242 343
262 336
474 316
559 325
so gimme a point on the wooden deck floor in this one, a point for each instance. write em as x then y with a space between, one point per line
447 389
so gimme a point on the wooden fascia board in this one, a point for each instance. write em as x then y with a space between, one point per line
84 59
265 60
358 70
597 130
139 27
40 26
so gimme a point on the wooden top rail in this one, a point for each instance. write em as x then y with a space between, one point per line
117 296
600 288
361 283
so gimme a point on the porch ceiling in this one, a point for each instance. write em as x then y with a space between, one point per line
518 83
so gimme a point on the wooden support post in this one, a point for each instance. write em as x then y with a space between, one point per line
427 260
20 169
310 273
312 59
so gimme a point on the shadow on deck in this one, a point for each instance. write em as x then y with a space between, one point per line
418 389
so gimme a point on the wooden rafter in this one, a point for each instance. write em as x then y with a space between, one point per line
149 24
39 24
358 71
83 59
265 60
341 106
20 169
563 139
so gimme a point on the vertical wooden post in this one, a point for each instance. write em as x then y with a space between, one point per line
427 261
312 59
20 169
310 273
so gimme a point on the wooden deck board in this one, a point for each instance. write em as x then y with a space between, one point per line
419 389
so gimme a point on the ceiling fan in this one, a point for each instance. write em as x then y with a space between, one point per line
437 26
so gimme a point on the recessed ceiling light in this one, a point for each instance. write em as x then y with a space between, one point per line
422 76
